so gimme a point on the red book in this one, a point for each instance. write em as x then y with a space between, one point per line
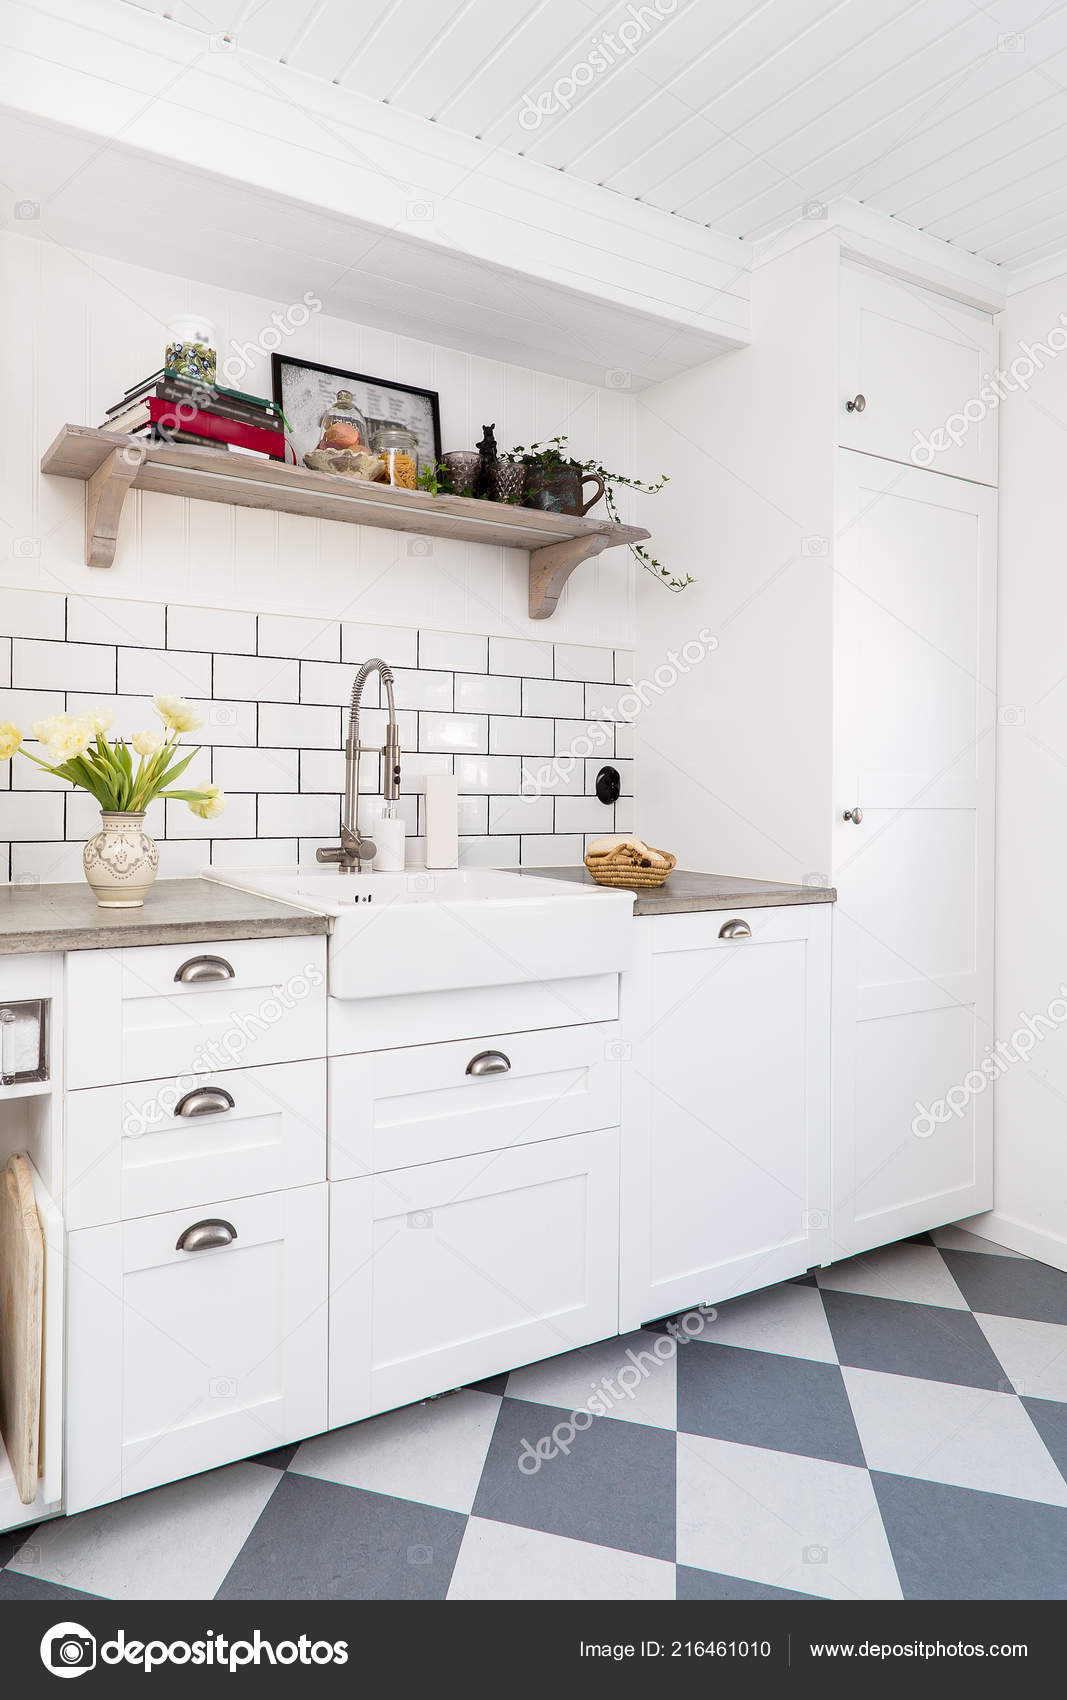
167 413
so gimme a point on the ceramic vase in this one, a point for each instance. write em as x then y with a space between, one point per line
120 861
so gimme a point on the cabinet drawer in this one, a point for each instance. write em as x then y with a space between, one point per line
181 1360
147 1012
445 1273
394 1109
134 1150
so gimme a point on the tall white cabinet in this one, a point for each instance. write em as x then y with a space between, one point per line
844 728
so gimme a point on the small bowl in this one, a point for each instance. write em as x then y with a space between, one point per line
345 463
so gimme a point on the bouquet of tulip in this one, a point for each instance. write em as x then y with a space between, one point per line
122 857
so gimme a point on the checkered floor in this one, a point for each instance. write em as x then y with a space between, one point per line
894 1428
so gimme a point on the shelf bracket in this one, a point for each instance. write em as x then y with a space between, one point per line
551 567
105 495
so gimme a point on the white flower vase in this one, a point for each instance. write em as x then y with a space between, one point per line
120 861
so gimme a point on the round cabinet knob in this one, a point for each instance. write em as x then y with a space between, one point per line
856 405
854 815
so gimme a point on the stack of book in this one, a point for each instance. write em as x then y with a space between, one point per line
167 407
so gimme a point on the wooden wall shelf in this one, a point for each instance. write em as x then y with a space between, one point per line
111 465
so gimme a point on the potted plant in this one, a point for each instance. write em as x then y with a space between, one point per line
555 483
121 860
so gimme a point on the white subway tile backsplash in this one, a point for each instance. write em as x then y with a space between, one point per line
296 636
165 672
584 814
238 820
520 814
111 619
583 662
552 850
625 664
625 771
398 646
424 690
224 631
40 665
608 702
273 691
481 693
492 774
308 815
456 652
523 657
256 770
453 732
5 662
558 697
511 735
34 614
257 678
30 814
299 727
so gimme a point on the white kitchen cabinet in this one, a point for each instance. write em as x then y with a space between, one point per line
451 1271
179 1358
725 1138
921 362
914 739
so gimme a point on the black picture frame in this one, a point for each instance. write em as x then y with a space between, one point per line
360 383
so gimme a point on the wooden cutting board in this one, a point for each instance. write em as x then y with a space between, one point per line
21 1324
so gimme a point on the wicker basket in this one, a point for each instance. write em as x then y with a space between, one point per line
623 871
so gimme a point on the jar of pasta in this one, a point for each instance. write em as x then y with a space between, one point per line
399 448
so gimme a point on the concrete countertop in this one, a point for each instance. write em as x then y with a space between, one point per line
67 917
686 893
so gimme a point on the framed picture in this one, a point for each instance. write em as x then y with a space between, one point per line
304 390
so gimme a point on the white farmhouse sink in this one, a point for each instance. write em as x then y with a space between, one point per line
427 931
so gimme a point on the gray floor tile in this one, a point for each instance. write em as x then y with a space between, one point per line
614 1486
1009 1286
951 1543
709 1585
16 1587
323 1541
1049 1418
767 1399
902 1338
12 1539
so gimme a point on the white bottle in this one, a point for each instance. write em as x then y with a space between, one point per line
389 831
442 820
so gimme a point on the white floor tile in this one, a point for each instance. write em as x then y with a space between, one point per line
799 1523
787 1319
432 1453
500 1562
590 1374
1032 1354
965 1436
904 1271
961 1239
174 1543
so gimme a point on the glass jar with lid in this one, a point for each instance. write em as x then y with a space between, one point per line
343 425
399 448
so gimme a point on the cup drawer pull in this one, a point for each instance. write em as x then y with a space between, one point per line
489 1062
735 930
206 1235
200 968
204 1101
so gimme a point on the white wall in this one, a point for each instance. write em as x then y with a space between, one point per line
1030 1192
77 330
732 768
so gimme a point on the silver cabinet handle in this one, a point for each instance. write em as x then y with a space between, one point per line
735 930
203 968
204 1236
489 1062
204 1101
856 405
854 815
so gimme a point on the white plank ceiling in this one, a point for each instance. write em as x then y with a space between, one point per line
950 115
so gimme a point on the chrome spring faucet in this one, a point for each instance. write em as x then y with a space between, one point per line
354 849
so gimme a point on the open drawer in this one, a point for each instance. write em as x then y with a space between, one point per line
47 1501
